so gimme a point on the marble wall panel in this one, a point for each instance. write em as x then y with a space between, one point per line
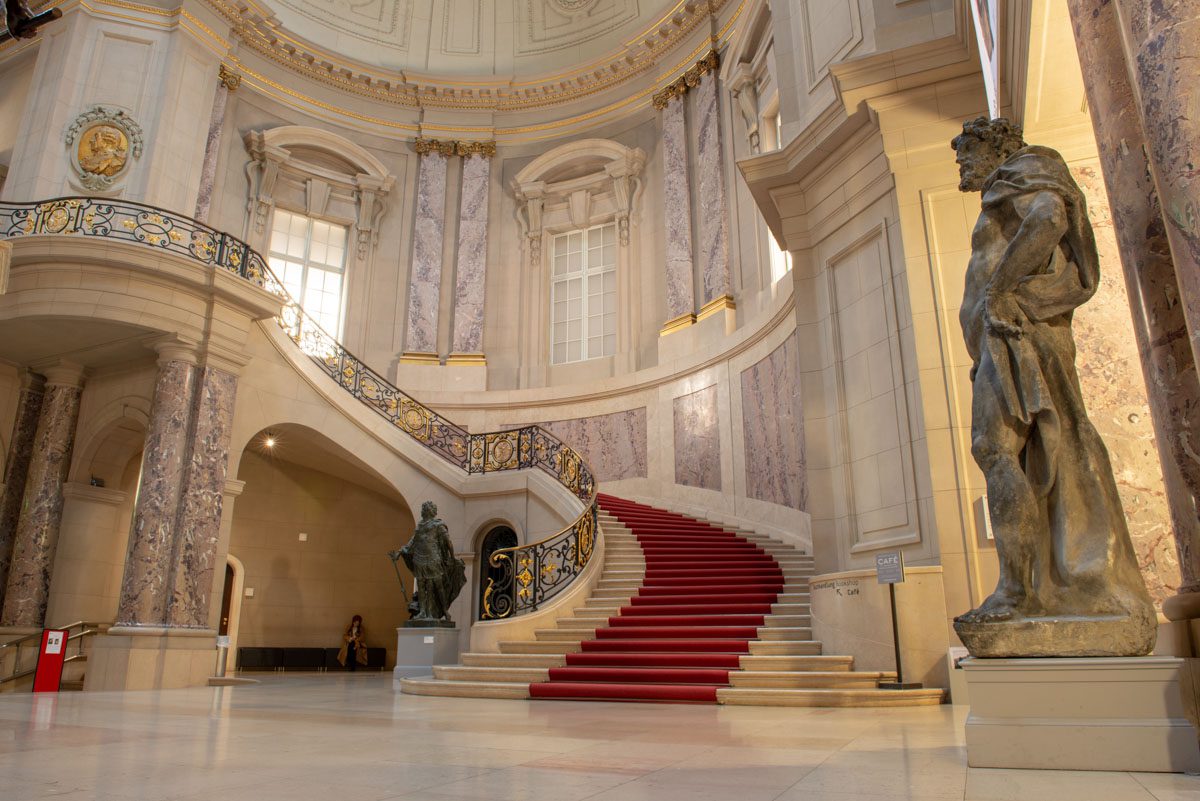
697 440
773 424
424 287
16 468
472 255
1115 393
613 444
677 212
714 207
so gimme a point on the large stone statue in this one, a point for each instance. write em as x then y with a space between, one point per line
21 23
1069 583
439 573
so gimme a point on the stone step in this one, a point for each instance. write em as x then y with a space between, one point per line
784 647
540 647
787 621
806 678
566 634
494 674
769 696
465 689
773 633
514 660
811 662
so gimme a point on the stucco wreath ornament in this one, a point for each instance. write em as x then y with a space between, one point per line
102 144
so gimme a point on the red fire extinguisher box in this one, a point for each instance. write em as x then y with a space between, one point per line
50 661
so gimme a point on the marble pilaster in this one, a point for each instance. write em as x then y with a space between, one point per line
199 521
1159 322
144 588
28 589
212 147
1163 40
424 286
16 467
471 267
681 293
714 207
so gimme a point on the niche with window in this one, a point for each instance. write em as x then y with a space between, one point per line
315 204
577 205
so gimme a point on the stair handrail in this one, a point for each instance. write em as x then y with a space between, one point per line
85 629
532 573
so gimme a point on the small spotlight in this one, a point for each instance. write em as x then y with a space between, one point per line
269 440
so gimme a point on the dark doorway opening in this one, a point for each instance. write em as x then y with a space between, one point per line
499 537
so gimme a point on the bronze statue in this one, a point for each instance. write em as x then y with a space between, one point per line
439 573
23 23
1069 582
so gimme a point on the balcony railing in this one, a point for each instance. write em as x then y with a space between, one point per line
527 575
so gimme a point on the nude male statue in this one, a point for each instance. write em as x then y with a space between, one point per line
1065 557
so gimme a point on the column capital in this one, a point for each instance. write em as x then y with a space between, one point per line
62 373
32 382
222 358
234 487
174 348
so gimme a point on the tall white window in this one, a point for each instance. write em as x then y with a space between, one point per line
583 295
781 260
309 257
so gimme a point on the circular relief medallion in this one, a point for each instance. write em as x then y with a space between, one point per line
102 145
574 6
103 150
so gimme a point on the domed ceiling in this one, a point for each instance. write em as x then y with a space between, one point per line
477 37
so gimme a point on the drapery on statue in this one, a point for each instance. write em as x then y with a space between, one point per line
1069 582
22 23
439 573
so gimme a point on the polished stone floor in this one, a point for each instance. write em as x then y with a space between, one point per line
326 737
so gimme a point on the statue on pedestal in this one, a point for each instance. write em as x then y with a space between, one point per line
1069 582
439 573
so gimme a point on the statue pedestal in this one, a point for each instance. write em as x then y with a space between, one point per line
419 649
1097 713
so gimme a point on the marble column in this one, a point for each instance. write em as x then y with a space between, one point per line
36 540
471 266
212 146
1172 386
425 284
681 293
16 467
714 208
199 521
1163 40
145 587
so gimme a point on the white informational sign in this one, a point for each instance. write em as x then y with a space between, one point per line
54 642
889 567
983 12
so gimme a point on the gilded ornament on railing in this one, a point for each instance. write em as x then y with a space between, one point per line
689 80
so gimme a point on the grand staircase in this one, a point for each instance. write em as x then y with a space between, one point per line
685 611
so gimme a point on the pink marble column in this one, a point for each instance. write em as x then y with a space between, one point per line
212 145
16 467
425 283
681 293
36 539
1160 324
199 521
1163 38
145 588
714 208
471 265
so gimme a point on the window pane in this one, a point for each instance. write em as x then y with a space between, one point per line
610 255
610 234
574 351
560 353
610 345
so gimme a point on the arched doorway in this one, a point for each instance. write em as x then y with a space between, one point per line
499 537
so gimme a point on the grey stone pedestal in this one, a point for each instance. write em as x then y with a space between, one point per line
419 649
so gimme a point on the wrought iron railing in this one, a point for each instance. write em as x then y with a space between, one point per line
527 575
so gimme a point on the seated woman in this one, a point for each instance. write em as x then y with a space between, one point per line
354 647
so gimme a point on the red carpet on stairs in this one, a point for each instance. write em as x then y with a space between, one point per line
705 594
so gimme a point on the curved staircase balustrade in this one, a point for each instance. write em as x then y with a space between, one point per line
530 574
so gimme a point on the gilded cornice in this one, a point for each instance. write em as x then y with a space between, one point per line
689 80
229 77
261 32
452 147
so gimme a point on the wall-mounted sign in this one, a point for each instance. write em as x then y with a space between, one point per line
889 567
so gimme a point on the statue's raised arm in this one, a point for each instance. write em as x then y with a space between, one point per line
21 23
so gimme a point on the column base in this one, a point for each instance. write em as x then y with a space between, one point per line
419 357
1101 713
150 658
419 649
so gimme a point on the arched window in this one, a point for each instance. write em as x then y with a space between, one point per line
315 204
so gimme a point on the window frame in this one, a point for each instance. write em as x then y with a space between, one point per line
307 264
585 275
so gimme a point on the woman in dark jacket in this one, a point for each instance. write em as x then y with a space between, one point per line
355 645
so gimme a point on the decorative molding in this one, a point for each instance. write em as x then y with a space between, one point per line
419 357
102 144
689 80
453 147
716 305
678 324
230 78
466 359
